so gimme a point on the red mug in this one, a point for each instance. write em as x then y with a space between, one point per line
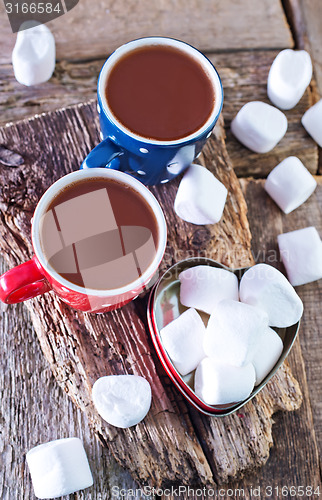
37 276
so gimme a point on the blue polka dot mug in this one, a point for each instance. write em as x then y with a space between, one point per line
151 161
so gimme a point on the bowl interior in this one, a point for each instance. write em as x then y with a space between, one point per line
165 306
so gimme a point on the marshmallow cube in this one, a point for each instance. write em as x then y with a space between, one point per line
290 184
259 126
182 339
312 122
202 287
233 332
200 197
267 354
59 468
33 57
122 400
289 75
220 383
301 252
265 287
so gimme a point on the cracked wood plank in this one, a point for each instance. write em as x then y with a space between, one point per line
244 77
207 25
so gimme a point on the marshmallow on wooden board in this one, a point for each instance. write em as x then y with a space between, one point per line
266 287
202 287
267 354
122 400
288 77
233 332
301 252
33 56
312 122
290 184
200 197
59 468
222 383
182 339
259 126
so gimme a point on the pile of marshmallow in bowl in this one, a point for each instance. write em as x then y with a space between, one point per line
260 126
237 348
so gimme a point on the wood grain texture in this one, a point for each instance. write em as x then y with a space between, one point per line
244 77
305 17
34 409
174 444
261 207
305 20
95 29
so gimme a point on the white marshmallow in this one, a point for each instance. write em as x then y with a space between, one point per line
301 252
202 287
182 339
220 383
59 468
259 126
267 354
33 56
266 287
312 122
122 400
288 77
290 184
200 197
233 332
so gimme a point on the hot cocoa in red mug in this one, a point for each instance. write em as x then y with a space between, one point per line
98 235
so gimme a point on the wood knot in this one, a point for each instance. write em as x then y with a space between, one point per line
200 238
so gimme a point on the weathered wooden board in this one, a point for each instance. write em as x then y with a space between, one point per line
27 380
95 29
305 17
262 208
244 76
245 79
34 409
174 443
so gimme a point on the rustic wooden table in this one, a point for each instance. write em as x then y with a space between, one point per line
242 39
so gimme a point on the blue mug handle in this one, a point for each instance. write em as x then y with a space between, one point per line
105 154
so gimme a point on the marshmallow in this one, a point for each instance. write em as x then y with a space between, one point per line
59 468
33 56
233 332
202 287
182 339
200 197
189 379
220 383
122 400
312 122
266 287
290 74
301 252
259 126
267 354
290 184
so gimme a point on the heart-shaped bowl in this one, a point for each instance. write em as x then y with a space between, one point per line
164 306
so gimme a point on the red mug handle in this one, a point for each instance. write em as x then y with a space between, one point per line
22 283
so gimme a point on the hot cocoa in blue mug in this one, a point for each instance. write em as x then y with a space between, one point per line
158 101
